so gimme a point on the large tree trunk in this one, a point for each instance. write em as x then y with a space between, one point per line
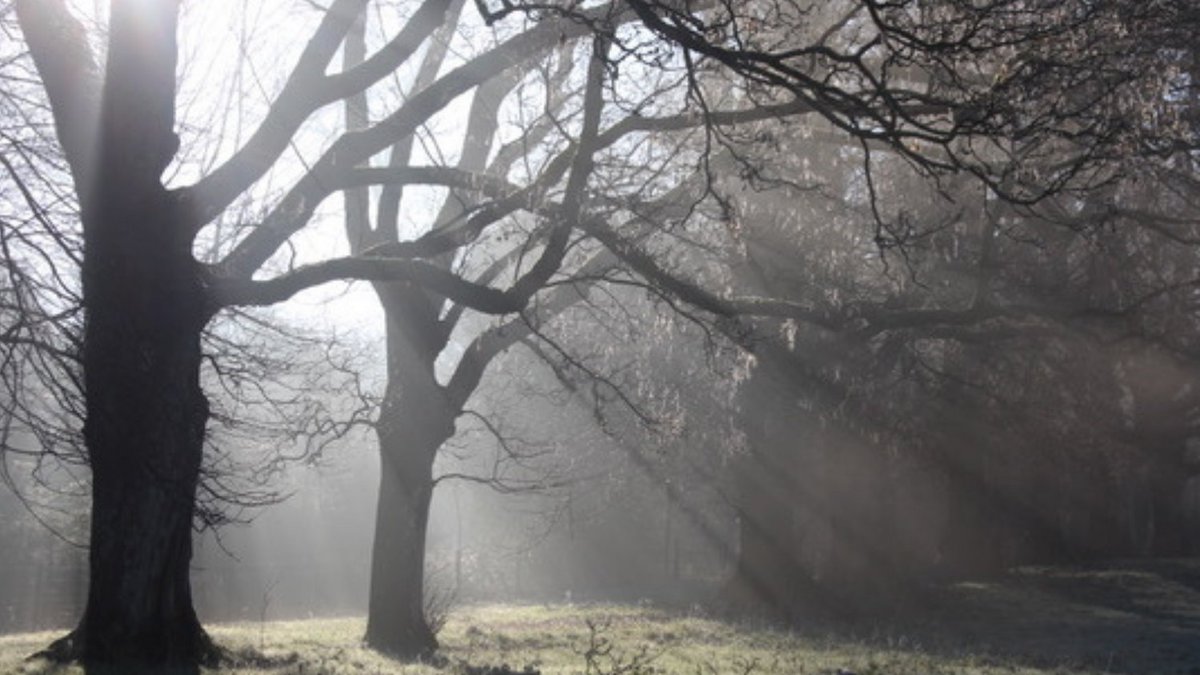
146 304
146 417
139 607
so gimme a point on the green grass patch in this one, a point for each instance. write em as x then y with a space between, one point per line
557 640
1120 619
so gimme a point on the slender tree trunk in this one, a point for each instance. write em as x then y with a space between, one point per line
396 622
1168 482
767 578
414 421
770 577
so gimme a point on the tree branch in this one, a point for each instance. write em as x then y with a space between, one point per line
352 149
306 90
59 46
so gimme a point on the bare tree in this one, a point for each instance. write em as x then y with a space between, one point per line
929 84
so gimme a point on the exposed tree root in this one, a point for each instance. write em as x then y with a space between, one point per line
66 649
71 648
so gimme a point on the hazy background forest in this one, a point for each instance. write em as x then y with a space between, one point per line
784 312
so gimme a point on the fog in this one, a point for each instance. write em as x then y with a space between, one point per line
586 517
561 499
791 314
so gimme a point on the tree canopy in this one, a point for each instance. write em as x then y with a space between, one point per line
604 145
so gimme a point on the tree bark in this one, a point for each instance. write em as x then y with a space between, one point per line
396 622
146 304
145 425
415 420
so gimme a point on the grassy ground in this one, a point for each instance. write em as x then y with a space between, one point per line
1137 618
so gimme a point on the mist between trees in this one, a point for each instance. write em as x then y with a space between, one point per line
785 309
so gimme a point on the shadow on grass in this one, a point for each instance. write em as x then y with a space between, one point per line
1124 617
241 659
42 666
252 659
